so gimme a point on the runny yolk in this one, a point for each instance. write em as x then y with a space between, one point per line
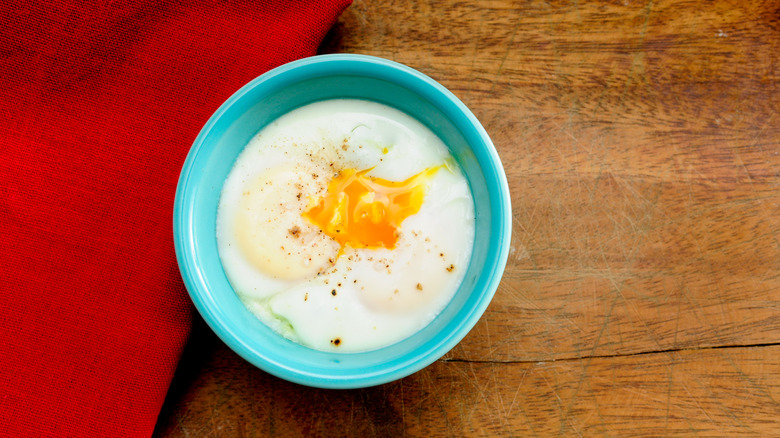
365 212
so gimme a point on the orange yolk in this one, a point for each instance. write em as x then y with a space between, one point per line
365 212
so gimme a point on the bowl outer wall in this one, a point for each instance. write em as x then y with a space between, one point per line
311 367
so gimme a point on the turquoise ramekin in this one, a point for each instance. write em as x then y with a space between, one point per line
275 93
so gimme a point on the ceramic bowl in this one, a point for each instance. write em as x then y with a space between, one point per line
275 93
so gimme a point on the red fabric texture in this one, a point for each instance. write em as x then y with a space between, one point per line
99 104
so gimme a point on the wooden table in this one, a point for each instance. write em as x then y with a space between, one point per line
641 141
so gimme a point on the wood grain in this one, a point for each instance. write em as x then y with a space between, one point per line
641 141
706 392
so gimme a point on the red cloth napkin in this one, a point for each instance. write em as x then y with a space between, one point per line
99 104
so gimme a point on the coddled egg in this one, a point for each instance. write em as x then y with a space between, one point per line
345 225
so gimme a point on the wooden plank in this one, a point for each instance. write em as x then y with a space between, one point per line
642 157
711 392
636 267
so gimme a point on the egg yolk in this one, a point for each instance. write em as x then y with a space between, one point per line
366 212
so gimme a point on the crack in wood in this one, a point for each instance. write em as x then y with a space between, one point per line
610 356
